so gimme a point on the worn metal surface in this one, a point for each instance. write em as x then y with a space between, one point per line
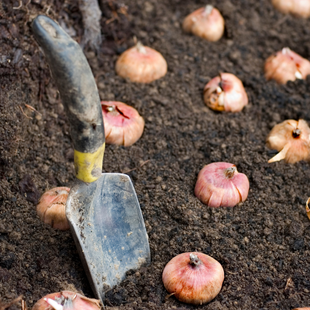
109 230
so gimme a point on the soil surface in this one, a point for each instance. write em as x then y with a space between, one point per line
263 244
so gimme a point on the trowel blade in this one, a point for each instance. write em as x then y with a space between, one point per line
108 228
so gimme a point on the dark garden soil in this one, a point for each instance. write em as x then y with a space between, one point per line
263 243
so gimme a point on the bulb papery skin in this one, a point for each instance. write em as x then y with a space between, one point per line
215 187
299 8
68 300
52 208
291 139
286 66
225 93
206 23
141 64
190 283
122 123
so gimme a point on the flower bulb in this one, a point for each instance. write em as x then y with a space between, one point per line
206 23
291 139
66 300
225 93
141 64
220 184
299 8
52 208
122 123
194 278
285 66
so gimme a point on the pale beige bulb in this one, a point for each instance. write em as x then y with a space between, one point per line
292 139
285 66
52 208
206 23
299 8
141 64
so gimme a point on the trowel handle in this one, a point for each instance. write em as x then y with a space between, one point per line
79 94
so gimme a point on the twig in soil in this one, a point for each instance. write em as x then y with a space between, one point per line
9 304
122 10
281 21
24 306
91 14
48 9
168 296
289 283
25 115
142 164
26 7
32 108
18 7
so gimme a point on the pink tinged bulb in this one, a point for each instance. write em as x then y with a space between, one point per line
206 23
225 93
286 66
291 139
52 208
141 64
122 123
194 278
220 184
66 300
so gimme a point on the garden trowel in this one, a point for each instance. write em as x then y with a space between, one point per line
102 208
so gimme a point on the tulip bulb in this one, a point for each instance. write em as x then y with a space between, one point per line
194 278
299 8
291 139
122 123
285 66
206 23
220 184
52 208
66 300
225 93
141 64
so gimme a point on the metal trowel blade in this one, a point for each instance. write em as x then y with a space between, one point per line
108 228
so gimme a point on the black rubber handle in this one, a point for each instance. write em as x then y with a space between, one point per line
77 87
